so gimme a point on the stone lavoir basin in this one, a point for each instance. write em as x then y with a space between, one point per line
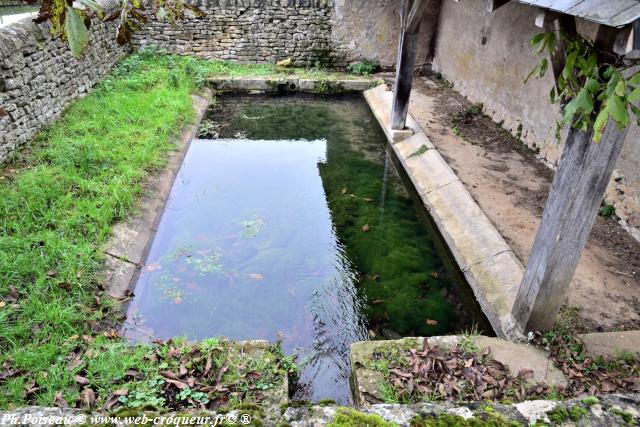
288 221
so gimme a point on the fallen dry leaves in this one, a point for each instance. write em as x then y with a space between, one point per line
451 374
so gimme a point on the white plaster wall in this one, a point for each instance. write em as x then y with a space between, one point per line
487 57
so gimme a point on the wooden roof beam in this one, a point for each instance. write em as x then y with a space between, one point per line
495 4
415 15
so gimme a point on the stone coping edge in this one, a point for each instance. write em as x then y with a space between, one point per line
600 411
484 257
291 84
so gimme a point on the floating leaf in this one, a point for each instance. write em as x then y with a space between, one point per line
256 276
431 322
365 228
153 266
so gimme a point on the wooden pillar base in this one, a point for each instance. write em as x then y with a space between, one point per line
577 191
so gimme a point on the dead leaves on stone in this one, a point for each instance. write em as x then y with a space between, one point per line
588 375
435 373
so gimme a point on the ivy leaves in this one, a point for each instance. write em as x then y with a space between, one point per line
589 90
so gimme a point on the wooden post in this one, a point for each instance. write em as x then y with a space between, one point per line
576 193
493 5
409 23
404 71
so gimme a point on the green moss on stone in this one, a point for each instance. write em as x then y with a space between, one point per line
626 416
560 415
591 400
351 418
486 419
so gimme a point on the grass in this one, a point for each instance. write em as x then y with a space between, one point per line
58 201
233 69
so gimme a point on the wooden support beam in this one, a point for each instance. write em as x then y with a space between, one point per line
415 15
636 35
492 5
558 23
404 70
577 191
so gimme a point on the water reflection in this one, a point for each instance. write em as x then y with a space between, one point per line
9 15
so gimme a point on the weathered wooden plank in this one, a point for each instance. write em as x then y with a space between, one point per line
404 70
493 5
558 23
611 41
636 35
415 15
404 80
577 191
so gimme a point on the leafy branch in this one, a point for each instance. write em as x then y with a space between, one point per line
589 89
71 20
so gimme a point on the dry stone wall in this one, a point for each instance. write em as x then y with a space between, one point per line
249 31
39 76
310 32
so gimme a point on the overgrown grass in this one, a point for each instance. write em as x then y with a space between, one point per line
58 200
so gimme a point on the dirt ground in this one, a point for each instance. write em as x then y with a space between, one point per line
511 185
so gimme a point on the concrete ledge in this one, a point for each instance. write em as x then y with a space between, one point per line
612 344
485 259
291 84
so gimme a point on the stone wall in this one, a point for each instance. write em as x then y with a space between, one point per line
39 76
324 32
487 57
249 31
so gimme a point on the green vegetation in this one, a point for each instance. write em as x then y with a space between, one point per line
485 419
626 416
590 400
420 151
589 89
560 415
606 210
351 418
58 200
364 67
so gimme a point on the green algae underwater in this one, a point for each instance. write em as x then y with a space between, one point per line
289 222
402 278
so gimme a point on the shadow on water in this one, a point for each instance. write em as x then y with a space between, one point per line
293 225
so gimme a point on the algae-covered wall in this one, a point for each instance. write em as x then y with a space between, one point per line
487 57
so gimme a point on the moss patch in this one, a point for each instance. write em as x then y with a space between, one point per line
352 418
448 420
